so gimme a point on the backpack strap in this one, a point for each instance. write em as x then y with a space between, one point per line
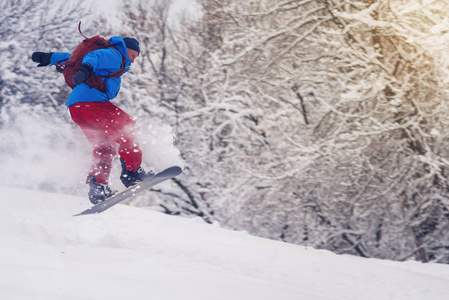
118 72
113 74
122 69
60 65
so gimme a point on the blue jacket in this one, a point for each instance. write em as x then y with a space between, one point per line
104 62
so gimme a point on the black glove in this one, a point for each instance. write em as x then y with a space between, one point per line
43 58
82 74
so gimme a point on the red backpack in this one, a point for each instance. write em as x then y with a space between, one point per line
68 67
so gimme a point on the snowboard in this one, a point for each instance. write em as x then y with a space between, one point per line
131 191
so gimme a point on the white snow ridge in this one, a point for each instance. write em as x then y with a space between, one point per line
135 253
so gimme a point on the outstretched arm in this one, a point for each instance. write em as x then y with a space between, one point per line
49 58
59 56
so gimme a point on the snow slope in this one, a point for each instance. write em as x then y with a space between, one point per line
134 253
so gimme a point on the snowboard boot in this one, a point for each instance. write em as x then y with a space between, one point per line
98 192
130 178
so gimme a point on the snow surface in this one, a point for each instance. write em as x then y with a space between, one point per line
136 253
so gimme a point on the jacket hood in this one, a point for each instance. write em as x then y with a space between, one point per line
119 43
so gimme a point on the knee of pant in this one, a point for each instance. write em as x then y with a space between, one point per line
105 151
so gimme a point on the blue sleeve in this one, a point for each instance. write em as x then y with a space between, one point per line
104 61
58 56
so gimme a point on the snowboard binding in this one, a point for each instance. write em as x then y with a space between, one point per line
98 192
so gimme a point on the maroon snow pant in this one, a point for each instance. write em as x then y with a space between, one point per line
106 125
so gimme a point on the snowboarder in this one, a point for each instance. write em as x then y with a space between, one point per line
103 123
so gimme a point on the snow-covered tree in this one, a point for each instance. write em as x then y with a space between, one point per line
353 100
393 104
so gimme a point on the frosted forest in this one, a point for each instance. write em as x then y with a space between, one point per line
316 122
